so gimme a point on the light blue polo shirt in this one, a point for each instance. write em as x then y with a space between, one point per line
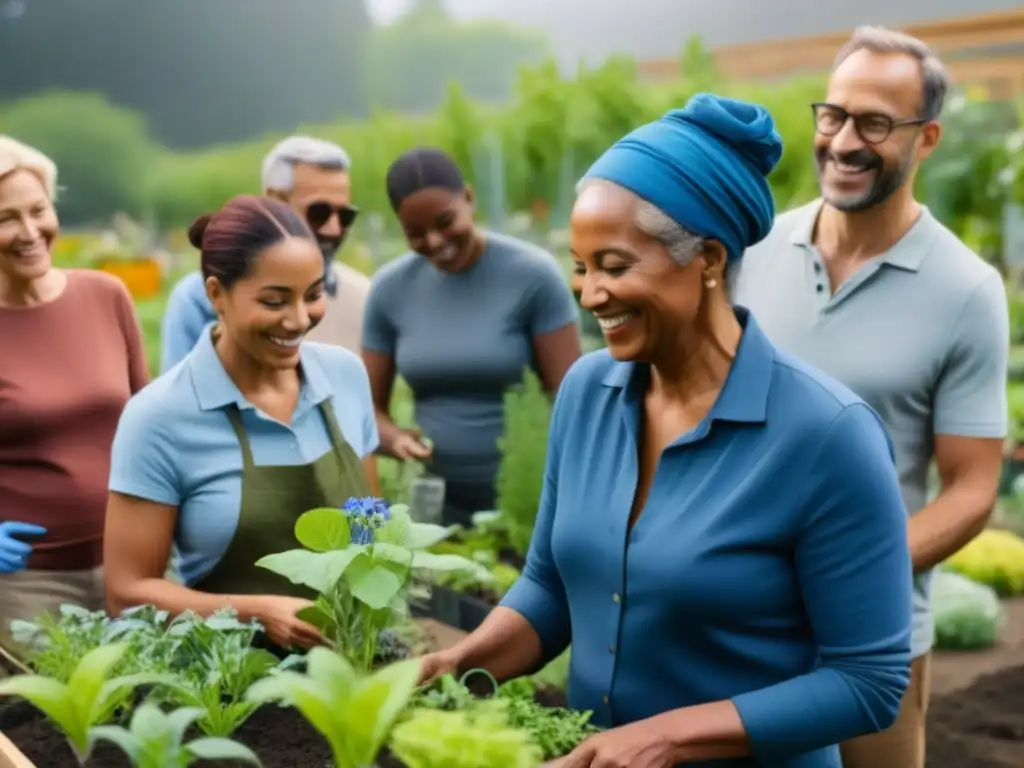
770 564
921 332
175 445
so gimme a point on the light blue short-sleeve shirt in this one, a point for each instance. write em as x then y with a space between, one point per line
175 445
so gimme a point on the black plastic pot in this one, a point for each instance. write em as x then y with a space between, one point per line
457 609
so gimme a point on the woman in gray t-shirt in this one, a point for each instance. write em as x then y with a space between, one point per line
460 317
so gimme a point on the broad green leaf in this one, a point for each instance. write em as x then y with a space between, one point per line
127 741
221 749
91 674
318 617
317 570
323 529
373 585
428 561
393 553
397 682
46 695
180 719
309 694
424 535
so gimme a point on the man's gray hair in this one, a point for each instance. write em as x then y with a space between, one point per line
934 75
680 244
279 164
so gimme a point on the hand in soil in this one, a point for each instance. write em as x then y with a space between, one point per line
277 615
435 665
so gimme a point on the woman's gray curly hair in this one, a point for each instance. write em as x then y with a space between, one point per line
680 244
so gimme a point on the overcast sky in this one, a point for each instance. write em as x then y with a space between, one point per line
659 28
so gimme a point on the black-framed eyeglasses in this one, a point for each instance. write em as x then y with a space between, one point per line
872 127
319 213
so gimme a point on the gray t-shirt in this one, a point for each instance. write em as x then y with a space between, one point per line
461 340
921 333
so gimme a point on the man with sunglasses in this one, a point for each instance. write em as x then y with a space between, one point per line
866 285
311 176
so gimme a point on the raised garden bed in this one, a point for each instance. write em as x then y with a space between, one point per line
279 736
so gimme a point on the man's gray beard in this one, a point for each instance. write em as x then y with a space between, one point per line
888 182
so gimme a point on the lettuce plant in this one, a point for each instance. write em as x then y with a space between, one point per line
155 739
84 701
479 737
361 560
355 711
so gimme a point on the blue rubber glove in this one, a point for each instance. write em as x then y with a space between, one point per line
14 553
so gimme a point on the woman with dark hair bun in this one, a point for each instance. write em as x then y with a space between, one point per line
460 317
254 427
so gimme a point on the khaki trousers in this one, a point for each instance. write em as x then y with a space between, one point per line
27 595
902 746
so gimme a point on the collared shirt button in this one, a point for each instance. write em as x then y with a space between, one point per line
611 649
616 598
605 699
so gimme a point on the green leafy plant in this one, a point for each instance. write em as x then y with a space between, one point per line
478 737
360 560
55 643
84 701
155 739
555 731
523 448
214 665
354 711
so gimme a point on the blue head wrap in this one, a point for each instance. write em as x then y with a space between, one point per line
706 166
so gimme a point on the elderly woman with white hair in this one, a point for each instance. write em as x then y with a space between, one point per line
312 176
72 357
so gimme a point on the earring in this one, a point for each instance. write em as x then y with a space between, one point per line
710 282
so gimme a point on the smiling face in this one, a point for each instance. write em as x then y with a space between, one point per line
28 228
645 302
438 224
854 174
268 312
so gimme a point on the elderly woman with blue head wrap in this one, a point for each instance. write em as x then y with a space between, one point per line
721 535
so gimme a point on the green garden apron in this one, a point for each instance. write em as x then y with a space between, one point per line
273 498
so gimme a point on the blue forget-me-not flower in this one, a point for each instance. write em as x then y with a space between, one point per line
365 515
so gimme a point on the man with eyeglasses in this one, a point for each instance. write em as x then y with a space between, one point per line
865 284
311 176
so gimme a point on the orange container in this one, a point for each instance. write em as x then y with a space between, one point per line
143 276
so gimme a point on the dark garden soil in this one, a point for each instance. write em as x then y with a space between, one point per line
280 737
976 718
981 726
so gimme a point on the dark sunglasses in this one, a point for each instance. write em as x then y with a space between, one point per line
872 127
318 214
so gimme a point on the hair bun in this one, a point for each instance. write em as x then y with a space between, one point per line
198 229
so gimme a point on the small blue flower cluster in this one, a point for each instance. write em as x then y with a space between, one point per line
365 515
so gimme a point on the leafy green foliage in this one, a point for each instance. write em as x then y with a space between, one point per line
361 572
555 731
354 711
967 615
523 455
155 739
478 737
81 703
205 663
214 664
